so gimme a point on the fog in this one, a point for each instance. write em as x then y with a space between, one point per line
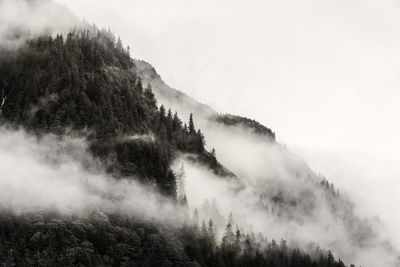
53 173
57 173
282 198
20 19
316 82
278 194
370 180
322 74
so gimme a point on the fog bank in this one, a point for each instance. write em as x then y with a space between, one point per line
58 173
322 74
283 198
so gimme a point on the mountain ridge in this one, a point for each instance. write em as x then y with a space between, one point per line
278 202
162 91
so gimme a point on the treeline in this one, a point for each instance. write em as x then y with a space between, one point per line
237 249
45 239
83 82
234 120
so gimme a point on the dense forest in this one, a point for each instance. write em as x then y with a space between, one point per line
82 84
119 240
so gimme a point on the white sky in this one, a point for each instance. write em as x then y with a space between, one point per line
323 74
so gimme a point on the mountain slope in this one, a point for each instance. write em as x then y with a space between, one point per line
82 86
183 103
83 83
290 197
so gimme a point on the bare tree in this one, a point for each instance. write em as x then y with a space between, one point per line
4 97
3 100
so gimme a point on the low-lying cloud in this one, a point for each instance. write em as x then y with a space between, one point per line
58 173
283 198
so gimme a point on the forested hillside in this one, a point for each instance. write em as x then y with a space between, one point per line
288 194
118 240
82 83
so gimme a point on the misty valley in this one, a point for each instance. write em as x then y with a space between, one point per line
103 164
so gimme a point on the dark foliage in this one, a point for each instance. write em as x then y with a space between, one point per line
84 83
233 120
45 239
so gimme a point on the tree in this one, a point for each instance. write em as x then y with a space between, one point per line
3 101
149 95
248 246
211 232
213 158
169 124
162 112
213 153
200 141
229 237
176 122
192 130
238 239
330 260
119 46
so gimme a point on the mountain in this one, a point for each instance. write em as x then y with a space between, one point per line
83 83
114 171
284 184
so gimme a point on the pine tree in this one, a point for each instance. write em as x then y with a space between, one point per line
162 113
213 160
169 124
200 141
330 260
119 46
229 237
177 123
192 130
211 232
213 153
238 240
149 95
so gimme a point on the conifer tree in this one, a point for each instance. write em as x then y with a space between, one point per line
200 141
192 130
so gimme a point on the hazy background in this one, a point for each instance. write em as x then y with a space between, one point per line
322 74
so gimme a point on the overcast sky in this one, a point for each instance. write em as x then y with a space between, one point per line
324 75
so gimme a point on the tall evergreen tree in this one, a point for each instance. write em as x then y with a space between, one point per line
192 130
